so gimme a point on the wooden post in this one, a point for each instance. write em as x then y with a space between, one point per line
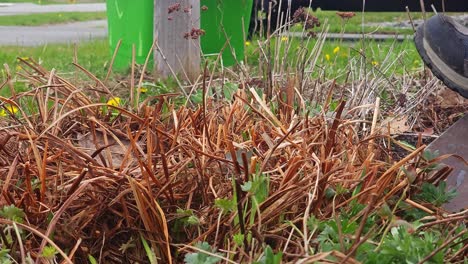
175 52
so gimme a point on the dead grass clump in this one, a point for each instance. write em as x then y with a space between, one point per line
96 179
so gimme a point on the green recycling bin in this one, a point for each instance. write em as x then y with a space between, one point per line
130 21
227 14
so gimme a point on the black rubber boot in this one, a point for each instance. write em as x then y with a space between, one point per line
443 46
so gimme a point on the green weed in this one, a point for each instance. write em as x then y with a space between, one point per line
205 255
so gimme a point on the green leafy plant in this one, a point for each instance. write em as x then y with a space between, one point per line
206 255
436 195
49 252
226 205
239 239
410 213
269 257
402 247
187 217
329 237
258 186
229 90
429 155
5 257
149 251
92 259
12 213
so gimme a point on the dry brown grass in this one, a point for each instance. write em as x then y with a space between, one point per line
91 181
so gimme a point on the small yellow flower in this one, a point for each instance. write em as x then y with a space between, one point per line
247 43
336 50
18 68
22 58
2 113
11 108
284 38
143 89
114 101
327 57
375 63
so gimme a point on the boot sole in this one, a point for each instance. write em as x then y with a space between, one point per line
439 68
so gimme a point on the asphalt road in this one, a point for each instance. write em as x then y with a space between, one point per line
83 31
63 33
29 8
47 34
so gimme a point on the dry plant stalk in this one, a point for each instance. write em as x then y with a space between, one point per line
108 175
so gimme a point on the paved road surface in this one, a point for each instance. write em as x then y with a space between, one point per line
66 33
29 8
81 31
87 30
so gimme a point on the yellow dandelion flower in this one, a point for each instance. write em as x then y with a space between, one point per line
336 50
114 101
18 68
22 58
11 108
375 63
327 57
143 89
284 38
2 113
247 43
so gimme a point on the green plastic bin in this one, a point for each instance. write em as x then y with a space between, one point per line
132 22
228 14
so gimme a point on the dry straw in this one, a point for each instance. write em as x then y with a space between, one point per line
96 175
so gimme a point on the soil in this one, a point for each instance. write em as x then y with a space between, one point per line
435 115
441 110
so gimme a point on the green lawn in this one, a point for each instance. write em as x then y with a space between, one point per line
50 18
353 25
337 56
26 1
48 2
334 61
93 56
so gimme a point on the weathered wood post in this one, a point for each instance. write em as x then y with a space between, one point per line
177 46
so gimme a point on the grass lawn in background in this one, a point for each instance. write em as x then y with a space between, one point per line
93 55
51 2
26 1
335 60
50 18
336 55
354 25
385 58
